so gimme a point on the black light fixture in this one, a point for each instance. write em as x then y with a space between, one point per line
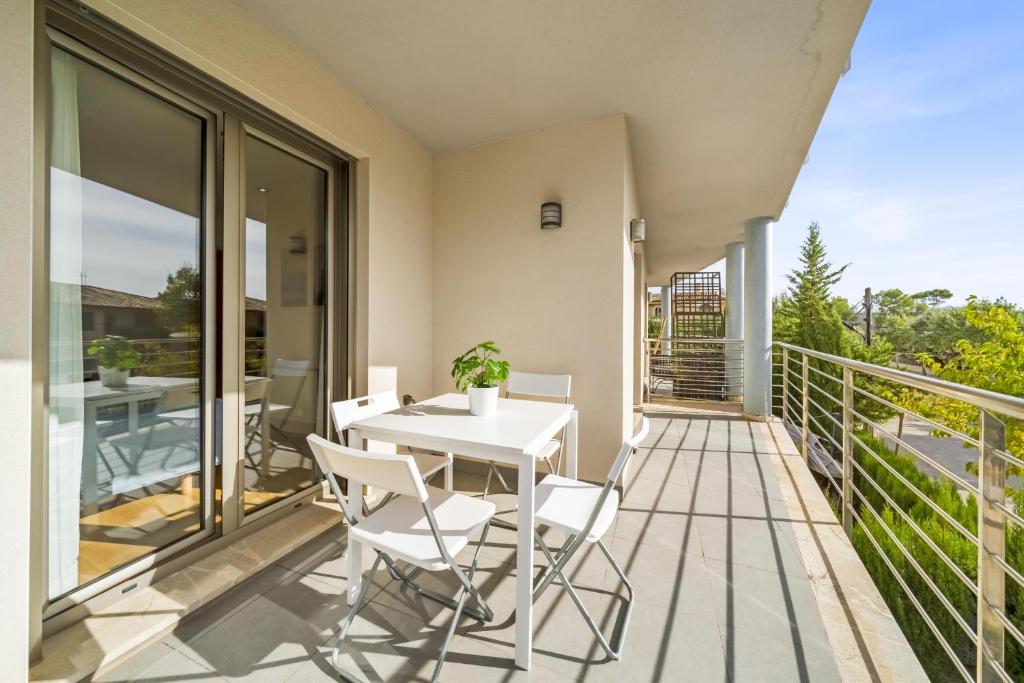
550 215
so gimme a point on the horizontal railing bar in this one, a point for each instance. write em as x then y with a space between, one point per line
907 411
918 453
825 374
943 600
966 580
824 412
825 435
821 391
1017 634
914 601
989 400
1014 517
903 480
1008 568
1008 457
690 340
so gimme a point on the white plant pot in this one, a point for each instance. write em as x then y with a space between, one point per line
112 377
483 401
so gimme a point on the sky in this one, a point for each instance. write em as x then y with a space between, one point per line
916 174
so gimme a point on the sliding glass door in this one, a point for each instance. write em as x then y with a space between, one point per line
191 244
286 199
128 456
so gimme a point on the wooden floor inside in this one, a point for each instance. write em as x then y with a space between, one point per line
124 532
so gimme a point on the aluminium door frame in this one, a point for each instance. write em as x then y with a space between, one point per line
153 65
326 357
80 594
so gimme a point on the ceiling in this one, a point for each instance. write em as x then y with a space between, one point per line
722 99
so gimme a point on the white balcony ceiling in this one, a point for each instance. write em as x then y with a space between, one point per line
722 98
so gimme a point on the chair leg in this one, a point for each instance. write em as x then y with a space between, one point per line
467 591
352 614
614 651
493 470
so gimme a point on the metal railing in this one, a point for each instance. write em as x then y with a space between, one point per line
914 510
684 368
176 356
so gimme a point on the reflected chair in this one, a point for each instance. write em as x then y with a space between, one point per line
584 512
423 526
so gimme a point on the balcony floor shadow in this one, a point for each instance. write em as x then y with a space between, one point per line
704 533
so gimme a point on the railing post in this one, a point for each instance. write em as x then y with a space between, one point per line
804 409
991 543
847 501
785 384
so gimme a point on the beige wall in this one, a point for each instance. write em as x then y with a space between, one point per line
555 300
16 211
394 233
232 45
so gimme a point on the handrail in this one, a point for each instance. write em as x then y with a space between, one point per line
1010 406
803 408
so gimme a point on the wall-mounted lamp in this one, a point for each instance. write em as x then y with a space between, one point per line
637 229
550 215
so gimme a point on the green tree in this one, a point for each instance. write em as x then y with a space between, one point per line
995 364
808 316
180 301
933 297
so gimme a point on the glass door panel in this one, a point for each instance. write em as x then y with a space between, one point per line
286 204
126 463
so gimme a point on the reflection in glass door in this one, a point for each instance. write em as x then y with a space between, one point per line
127 460
286 200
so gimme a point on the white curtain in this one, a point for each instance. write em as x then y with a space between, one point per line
67 405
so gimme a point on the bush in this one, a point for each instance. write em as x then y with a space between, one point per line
958 548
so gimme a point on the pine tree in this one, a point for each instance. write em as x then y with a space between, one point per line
805 314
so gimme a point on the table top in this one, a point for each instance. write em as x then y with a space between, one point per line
94 390
444 423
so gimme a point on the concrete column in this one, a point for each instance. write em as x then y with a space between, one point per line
734 318
734 290
757 317
666 315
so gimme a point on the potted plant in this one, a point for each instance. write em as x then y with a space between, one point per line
116 358
478 373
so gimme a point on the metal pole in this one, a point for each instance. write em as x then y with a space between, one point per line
805 401
785 385
991 543
847 501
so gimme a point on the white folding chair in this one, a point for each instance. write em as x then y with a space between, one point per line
584 512
545 386
344 413
422 525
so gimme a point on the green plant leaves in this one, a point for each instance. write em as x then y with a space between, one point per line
477 367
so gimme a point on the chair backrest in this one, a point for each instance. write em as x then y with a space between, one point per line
627 449
389 472
536 384
256 390
289 368
345 413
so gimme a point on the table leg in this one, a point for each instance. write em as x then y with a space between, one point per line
265 437
571 445
90 454
524 564
449 474
355 549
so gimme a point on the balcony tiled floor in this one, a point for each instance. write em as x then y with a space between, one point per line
704 533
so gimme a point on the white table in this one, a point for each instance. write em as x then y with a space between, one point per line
512 436
137 390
